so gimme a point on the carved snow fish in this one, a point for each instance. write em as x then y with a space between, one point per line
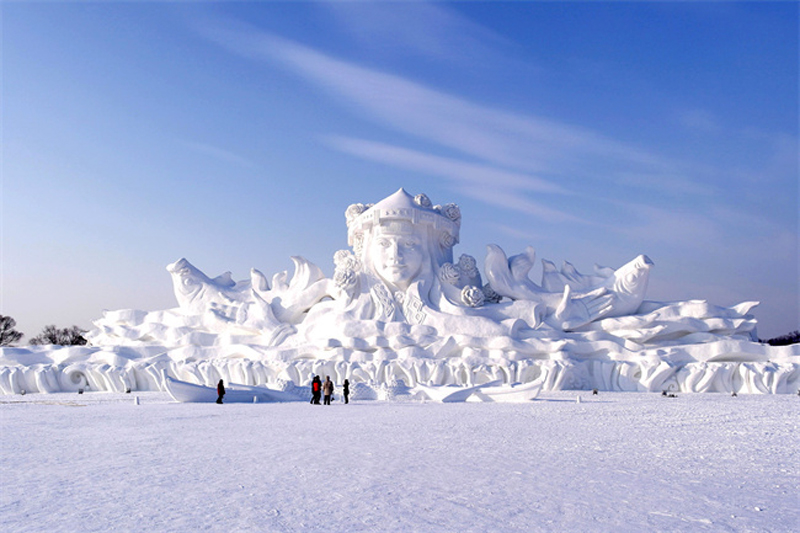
629 285
194 290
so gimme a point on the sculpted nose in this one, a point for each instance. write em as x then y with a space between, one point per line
394 252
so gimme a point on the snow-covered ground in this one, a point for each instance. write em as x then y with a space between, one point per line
613 462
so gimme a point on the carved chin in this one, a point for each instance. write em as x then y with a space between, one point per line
398 275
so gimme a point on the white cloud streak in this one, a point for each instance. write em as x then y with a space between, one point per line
218 153
472 179
429 31
499 137
667 182
699 120
517 233
500 157
667 226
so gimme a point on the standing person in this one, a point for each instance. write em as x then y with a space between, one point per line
316 390
327 390
220 391
346 391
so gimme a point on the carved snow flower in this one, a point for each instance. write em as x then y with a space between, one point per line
448 274
344 279
468 265
446 240
340 257
353 211
490 295
345 260
452 211
422 200
472 296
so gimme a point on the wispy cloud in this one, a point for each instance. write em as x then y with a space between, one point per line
693 229
483 182
671 183
498 157
700 121
517 233
511 199
775 158
428 31
528 143
218 153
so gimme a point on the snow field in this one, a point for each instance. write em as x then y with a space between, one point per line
614 462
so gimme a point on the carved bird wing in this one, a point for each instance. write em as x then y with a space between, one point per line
497 271
521 264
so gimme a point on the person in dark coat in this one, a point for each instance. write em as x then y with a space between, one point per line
316 390
346 391
327 390
220 391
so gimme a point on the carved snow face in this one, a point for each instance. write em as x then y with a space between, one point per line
398 253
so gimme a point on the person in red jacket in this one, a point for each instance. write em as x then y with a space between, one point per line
220 391
316 390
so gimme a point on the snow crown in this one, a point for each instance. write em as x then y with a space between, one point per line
402 207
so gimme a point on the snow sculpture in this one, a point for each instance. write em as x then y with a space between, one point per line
400 309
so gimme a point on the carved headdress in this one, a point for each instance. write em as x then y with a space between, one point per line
443 222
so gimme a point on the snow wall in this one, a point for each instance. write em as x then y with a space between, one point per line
49 369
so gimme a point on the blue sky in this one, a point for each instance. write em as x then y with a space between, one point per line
236 134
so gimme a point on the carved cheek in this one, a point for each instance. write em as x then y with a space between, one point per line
414 258
392 251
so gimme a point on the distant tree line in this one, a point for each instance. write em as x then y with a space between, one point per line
8 335
50 334
63 337
783 340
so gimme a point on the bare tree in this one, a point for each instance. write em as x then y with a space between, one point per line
63 337
784 340
8 335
